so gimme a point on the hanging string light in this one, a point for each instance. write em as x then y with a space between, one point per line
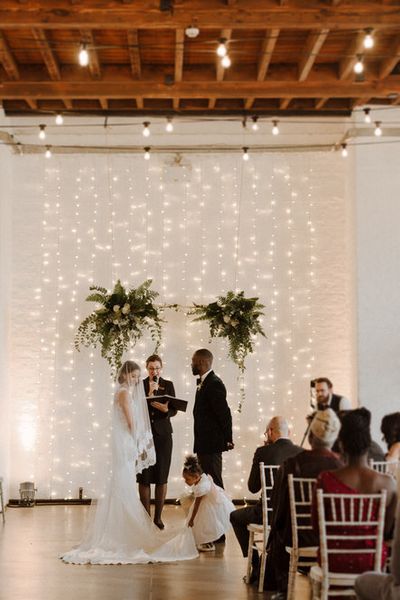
226 61
146 129
48 152
42 132
147 153
83 56
255 126
169 126
367 116
344 151
368 42
59 119
378 129
245 153
275 128
222 49
359 66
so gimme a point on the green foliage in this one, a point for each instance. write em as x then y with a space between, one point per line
122 319
236 318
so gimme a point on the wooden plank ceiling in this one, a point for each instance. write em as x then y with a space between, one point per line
292 57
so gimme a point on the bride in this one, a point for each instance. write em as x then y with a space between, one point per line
121 531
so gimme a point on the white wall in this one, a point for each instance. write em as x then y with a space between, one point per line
86 218
5 282
378 284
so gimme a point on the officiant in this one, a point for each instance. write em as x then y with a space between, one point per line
160 415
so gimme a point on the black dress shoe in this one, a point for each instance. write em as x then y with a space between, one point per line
159 524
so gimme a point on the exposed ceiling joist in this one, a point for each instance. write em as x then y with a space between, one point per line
134 53
7 59
267 48
391 61
347 64
104 14
47 53
313 45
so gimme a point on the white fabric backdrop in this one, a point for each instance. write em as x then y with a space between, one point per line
279 227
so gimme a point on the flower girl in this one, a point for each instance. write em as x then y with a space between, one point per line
209 513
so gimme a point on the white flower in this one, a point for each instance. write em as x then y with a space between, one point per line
116 308
126 308
227 319
101 310
116 322
234 323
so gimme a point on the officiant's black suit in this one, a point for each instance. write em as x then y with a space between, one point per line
212 425
162 434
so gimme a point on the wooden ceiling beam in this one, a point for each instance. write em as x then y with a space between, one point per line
313 45
31 103
127 88
356 47
284 103
267 48
107 14
94 63
320 103
103 103
179 49
68 103
226 35
7 59
389 63
139 103
134 53
47 54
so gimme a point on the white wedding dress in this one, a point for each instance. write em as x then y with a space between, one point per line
121 531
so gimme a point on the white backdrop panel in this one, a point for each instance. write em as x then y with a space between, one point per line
278 227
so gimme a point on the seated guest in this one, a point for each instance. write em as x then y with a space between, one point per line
356 477
377 586
375 452
277 448
390 428
324 429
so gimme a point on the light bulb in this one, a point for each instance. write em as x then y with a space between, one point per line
59 119
359 67
245 154
147 153
83 56
367 117
42 132
368 40
378 130
146 130
48 152
226 61
222 50
255 124
169 126
344 150
275 128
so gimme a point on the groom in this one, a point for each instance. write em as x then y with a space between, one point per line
212 417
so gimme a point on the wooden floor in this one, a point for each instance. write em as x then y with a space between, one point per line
32 539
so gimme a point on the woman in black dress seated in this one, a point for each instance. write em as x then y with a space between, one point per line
160 414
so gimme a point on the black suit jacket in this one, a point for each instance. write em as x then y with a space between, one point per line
273 454
160 422
212 417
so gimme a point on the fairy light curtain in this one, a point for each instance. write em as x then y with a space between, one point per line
276 226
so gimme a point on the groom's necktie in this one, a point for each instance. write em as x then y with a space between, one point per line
198 381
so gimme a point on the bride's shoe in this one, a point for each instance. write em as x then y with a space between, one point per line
159 524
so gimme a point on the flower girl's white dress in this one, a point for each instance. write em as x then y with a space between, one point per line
121 531
212 518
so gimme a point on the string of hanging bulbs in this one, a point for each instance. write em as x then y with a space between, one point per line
226 61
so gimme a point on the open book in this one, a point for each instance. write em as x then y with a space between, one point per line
175 403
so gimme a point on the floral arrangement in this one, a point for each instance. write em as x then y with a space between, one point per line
236 318
121 320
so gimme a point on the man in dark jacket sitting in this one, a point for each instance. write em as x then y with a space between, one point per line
277 448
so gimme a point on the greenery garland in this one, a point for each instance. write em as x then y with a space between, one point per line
121 320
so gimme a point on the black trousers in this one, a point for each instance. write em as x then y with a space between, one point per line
240 519
212 465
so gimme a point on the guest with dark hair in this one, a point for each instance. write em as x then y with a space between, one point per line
356 477
390 428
